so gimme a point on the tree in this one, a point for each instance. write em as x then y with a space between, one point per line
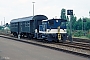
63 14
87 24
78 24
73 21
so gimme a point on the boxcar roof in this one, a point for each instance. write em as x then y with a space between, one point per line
36 17
22 19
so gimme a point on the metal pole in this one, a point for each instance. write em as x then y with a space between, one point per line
82 25
34 19
84 28
71 29
89 13
4 21
33 8
70 12
1 23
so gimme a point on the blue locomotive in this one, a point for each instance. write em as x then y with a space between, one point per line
53 30
40 27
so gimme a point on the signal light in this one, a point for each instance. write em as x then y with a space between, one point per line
69 12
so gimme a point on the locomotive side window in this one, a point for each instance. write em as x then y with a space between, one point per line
27 24
21 23
51 22
63 24
44 26
16 24
41 27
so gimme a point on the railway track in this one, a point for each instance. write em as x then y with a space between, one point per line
81 49
81 40
76 45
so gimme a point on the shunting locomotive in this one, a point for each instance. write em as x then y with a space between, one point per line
53 30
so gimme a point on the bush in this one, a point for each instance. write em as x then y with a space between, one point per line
77 33
88 36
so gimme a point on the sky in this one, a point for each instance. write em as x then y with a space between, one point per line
12 9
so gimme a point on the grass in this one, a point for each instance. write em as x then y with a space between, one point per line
82 37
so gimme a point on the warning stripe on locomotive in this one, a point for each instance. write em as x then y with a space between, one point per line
59 35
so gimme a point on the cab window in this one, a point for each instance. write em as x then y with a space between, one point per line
51 22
